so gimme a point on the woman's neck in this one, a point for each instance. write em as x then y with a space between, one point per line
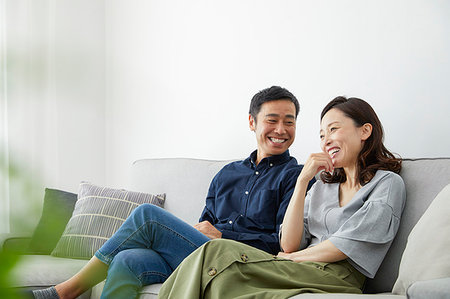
352 181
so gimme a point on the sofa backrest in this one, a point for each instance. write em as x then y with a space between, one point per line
424 179
186 182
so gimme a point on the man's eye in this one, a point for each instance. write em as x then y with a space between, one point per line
272 121
289 123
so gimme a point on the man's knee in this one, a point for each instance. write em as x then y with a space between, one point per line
124 260
147 211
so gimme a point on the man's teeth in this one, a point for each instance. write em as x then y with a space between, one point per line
276 140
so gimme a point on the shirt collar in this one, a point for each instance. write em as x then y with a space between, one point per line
270 161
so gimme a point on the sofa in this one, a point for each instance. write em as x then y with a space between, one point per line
185 183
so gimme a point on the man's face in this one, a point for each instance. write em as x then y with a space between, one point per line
274 127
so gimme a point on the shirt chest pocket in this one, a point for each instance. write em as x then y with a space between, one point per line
264 206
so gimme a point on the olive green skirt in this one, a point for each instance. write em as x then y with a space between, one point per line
229 269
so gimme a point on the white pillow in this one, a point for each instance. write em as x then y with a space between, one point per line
427 253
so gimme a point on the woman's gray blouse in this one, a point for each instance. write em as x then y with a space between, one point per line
364 228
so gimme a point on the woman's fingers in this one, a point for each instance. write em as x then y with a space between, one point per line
315 163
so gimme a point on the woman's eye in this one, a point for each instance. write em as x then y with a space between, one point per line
321 137
333 129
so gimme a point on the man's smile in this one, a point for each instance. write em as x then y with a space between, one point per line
277 140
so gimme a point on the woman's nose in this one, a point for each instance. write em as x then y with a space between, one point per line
325 141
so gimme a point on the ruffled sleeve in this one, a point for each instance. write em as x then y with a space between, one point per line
367 235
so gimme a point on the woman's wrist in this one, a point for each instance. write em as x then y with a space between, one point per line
303 180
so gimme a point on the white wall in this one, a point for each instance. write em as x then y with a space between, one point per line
180 74
92 85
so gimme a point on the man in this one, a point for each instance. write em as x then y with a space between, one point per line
246 202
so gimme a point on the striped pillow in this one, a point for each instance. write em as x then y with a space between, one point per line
98 213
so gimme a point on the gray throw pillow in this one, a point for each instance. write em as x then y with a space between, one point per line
98 213
57 210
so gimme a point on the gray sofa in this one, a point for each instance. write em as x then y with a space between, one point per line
185 182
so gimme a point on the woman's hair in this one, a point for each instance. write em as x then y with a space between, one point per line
373 156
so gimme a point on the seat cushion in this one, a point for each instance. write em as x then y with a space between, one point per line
44 270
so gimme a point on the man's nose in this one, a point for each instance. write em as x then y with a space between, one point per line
280 129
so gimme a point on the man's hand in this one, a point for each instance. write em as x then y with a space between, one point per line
206 228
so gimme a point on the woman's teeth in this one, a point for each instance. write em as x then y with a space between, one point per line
333 151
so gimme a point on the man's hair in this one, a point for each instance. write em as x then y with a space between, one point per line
273 93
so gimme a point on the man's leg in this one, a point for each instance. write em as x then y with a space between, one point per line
148 227
133 268
152 227
146 250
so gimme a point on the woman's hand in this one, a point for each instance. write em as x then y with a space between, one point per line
315 163
285 255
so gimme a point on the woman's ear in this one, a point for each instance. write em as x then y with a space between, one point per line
366 131
251 122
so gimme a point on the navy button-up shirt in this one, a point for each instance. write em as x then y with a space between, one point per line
247 202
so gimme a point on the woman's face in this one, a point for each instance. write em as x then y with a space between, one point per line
341 139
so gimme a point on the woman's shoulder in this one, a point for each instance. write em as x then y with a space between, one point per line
388 188
386 177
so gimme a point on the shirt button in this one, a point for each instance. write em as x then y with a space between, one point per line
270 164
244 257
230 222
212 271
246 192
257 172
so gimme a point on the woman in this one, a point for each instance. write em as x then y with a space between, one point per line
331 239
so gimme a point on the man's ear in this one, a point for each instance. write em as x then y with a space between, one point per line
366 131
251 122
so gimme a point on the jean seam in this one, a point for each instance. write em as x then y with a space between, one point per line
105 259
140 277
146 223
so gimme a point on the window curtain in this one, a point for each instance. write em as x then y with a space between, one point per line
27 111
4 174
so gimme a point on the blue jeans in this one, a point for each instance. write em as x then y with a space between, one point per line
146 249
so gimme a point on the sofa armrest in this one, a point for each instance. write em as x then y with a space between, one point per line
15 242
430 289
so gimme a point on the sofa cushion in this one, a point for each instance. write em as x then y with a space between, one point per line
98 213
38 271
57 210
427 254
